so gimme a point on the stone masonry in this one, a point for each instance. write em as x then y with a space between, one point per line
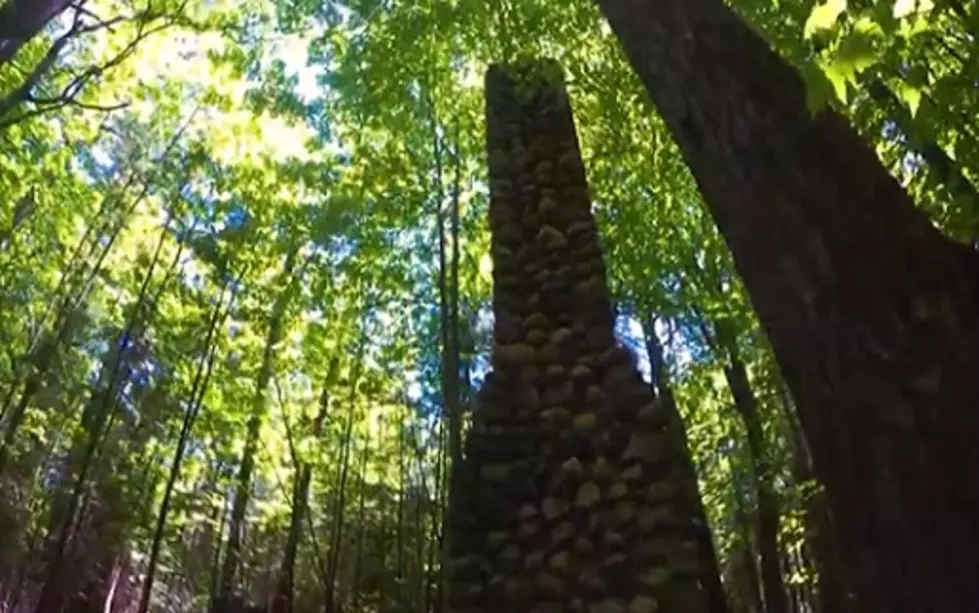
571 495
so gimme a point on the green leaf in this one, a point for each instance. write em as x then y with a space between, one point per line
905 8
823 17
819 88
917 76
913 27
856 52
837 78
486 268
911 96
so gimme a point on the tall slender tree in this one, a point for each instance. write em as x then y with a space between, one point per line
767 509
236 525
285 587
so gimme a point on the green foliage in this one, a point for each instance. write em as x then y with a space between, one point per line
339 130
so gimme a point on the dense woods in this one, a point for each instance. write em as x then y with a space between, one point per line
367 306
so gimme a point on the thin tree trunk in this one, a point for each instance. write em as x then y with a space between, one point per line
361 506
767 519
232 554
45 355
432 601
286 585
399 574
215 567
872 313
423 496
750 559
194 404
449 332
418 585
664 392
832 594
336 540
97 420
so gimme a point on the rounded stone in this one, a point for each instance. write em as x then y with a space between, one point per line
588 494
585 421
517 353
643 604
607 606
564 531
536 321
536 337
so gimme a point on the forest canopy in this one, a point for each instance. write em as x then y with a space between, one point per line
246 284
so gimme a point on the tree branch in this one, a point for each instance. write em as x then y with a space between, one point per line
69 94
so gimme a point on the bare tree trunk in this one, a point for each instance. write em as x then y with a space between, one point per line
449 331
832 594
97 419
359 553
215 566
750 563
236 526
399 575
284 590
194 404
42 356
873 315
336 539
418 585
767 519
433 582
21 20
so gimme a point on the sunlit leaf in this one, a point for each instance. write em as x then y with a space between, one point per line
823 16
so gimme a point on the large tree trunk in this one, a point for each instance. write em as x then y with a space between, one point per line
872 313
571 495
21 20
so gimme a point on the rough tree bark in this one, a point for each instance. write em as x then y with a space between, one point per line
21 20
872 313
571 494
